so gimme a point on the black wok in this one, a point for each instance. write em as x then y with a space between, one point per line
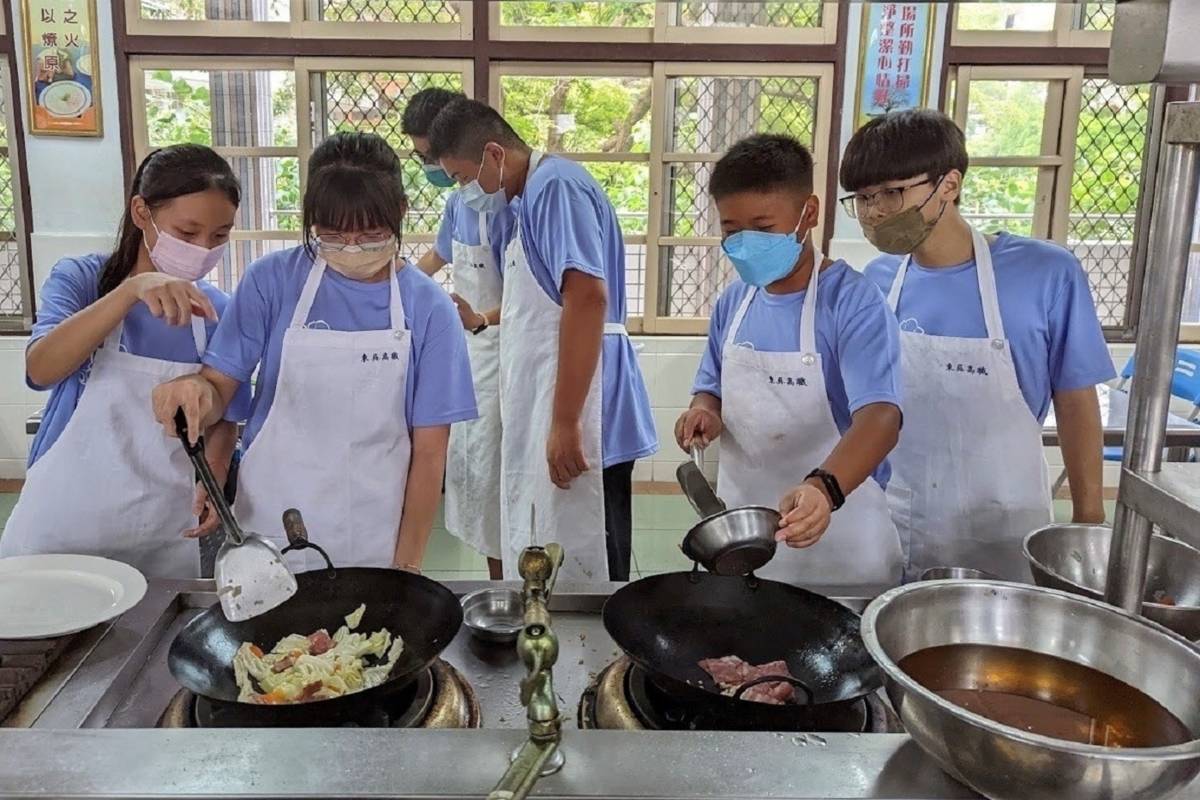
425 614
668 623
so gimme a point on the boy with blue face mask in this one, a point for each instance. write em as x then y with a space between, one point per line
800 379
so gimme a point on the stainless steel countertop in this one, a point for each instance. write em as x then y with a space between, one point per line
91 733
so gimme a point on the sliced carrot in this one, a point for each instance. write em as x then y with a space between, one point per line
258 653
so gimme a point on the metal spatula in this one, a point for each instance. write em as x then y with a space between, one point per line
696 487
252 577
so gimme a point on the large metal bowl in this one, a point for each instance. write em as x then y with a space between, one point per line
1007 763
1074 558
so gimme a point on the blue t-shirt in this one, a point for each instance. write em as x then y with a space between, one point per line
461 224
857 340
1045 304
250 336
567 222
73 285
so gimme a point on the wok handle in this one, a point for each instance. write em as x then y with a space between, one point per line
808 693
297 535
216 495
698 456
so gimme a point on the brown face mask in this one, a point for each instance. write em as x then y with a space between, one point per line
904 231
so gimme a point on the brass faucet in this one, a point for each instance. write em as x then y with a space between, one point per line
538 647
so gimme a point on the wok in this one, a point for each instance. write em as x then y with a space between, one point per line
422 612
668 623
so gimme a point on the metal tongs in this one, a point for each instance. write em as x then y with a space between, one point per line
251 575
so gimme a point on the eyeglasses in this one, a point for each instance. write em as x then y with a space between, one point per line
421 159
888 201
369 242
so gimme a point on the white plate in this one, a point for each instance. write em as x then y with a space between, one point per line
65 99
53 595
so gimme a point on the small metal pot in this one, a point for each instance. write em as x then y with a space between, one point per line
956 573
725 542
494 615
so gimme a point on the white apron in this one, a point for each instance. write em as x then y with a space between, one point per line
969 475
572 517
473 458
335 443
112 485
778 428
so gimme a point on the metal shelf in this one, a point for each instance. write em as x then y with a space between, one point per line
1169 498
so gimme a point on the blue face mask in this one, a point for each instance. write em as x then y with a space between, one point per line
763 257
437 176
480 201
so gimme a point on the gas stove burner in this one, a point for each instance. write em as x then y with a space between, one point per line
624 698
439 698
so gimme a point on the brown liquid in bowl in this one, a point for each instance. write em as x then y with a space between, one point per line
1046 695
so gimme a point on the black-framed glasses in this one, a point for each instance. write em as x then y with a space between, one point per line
888 201
420 158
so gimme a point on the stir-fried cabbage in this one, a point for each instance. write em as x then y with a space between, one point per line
316 667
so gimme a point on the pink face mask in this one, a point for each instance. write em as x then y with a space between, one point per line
180 259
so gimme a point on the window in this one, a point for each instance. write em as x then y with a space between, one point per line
16 306
1056 154
416 19
648 131
1034 24
752 22
248 111
601 118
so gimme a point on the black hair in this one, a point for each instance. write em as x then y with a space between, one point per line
355 182
762 163
423 107
901 145
463 127
165 174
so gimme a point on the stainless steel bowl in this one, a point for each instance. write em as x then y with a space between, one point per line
1007 763
1074 558
495 614
956 573
734 542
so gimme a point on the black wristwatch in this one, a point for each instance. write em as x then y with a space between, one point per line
483 326
836 496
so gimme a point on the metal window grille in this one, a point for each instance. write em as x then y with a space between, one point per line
411 12
751 14
15 307
1097 16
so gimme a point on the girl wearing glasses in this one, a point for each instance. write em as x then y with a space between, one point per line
361 369
993 329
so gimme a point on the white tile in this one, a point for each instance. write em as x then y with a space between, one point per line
643 470
14 442
676 374
648 363
12 468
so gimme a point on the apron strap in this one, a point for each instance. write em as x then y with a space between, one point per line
484 239
199 335
808 313
308 293
987 287
739 315
615 329
112 342
395 307
985 275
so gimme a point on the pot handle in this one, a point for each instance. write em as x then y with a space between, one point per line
297 534
808 693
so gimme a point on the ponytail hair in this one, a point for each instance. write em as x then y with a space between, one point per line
165 174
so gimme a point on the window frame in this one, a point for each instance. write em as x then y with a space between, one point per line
15 150
1064 33
301 25
663 30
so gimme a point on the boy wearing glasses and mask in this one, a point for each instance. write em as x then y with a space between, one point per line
800 379
993 329
573 405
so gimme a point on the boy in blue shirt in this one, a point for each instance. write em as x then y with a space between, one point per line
573 405
993 329
800 377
